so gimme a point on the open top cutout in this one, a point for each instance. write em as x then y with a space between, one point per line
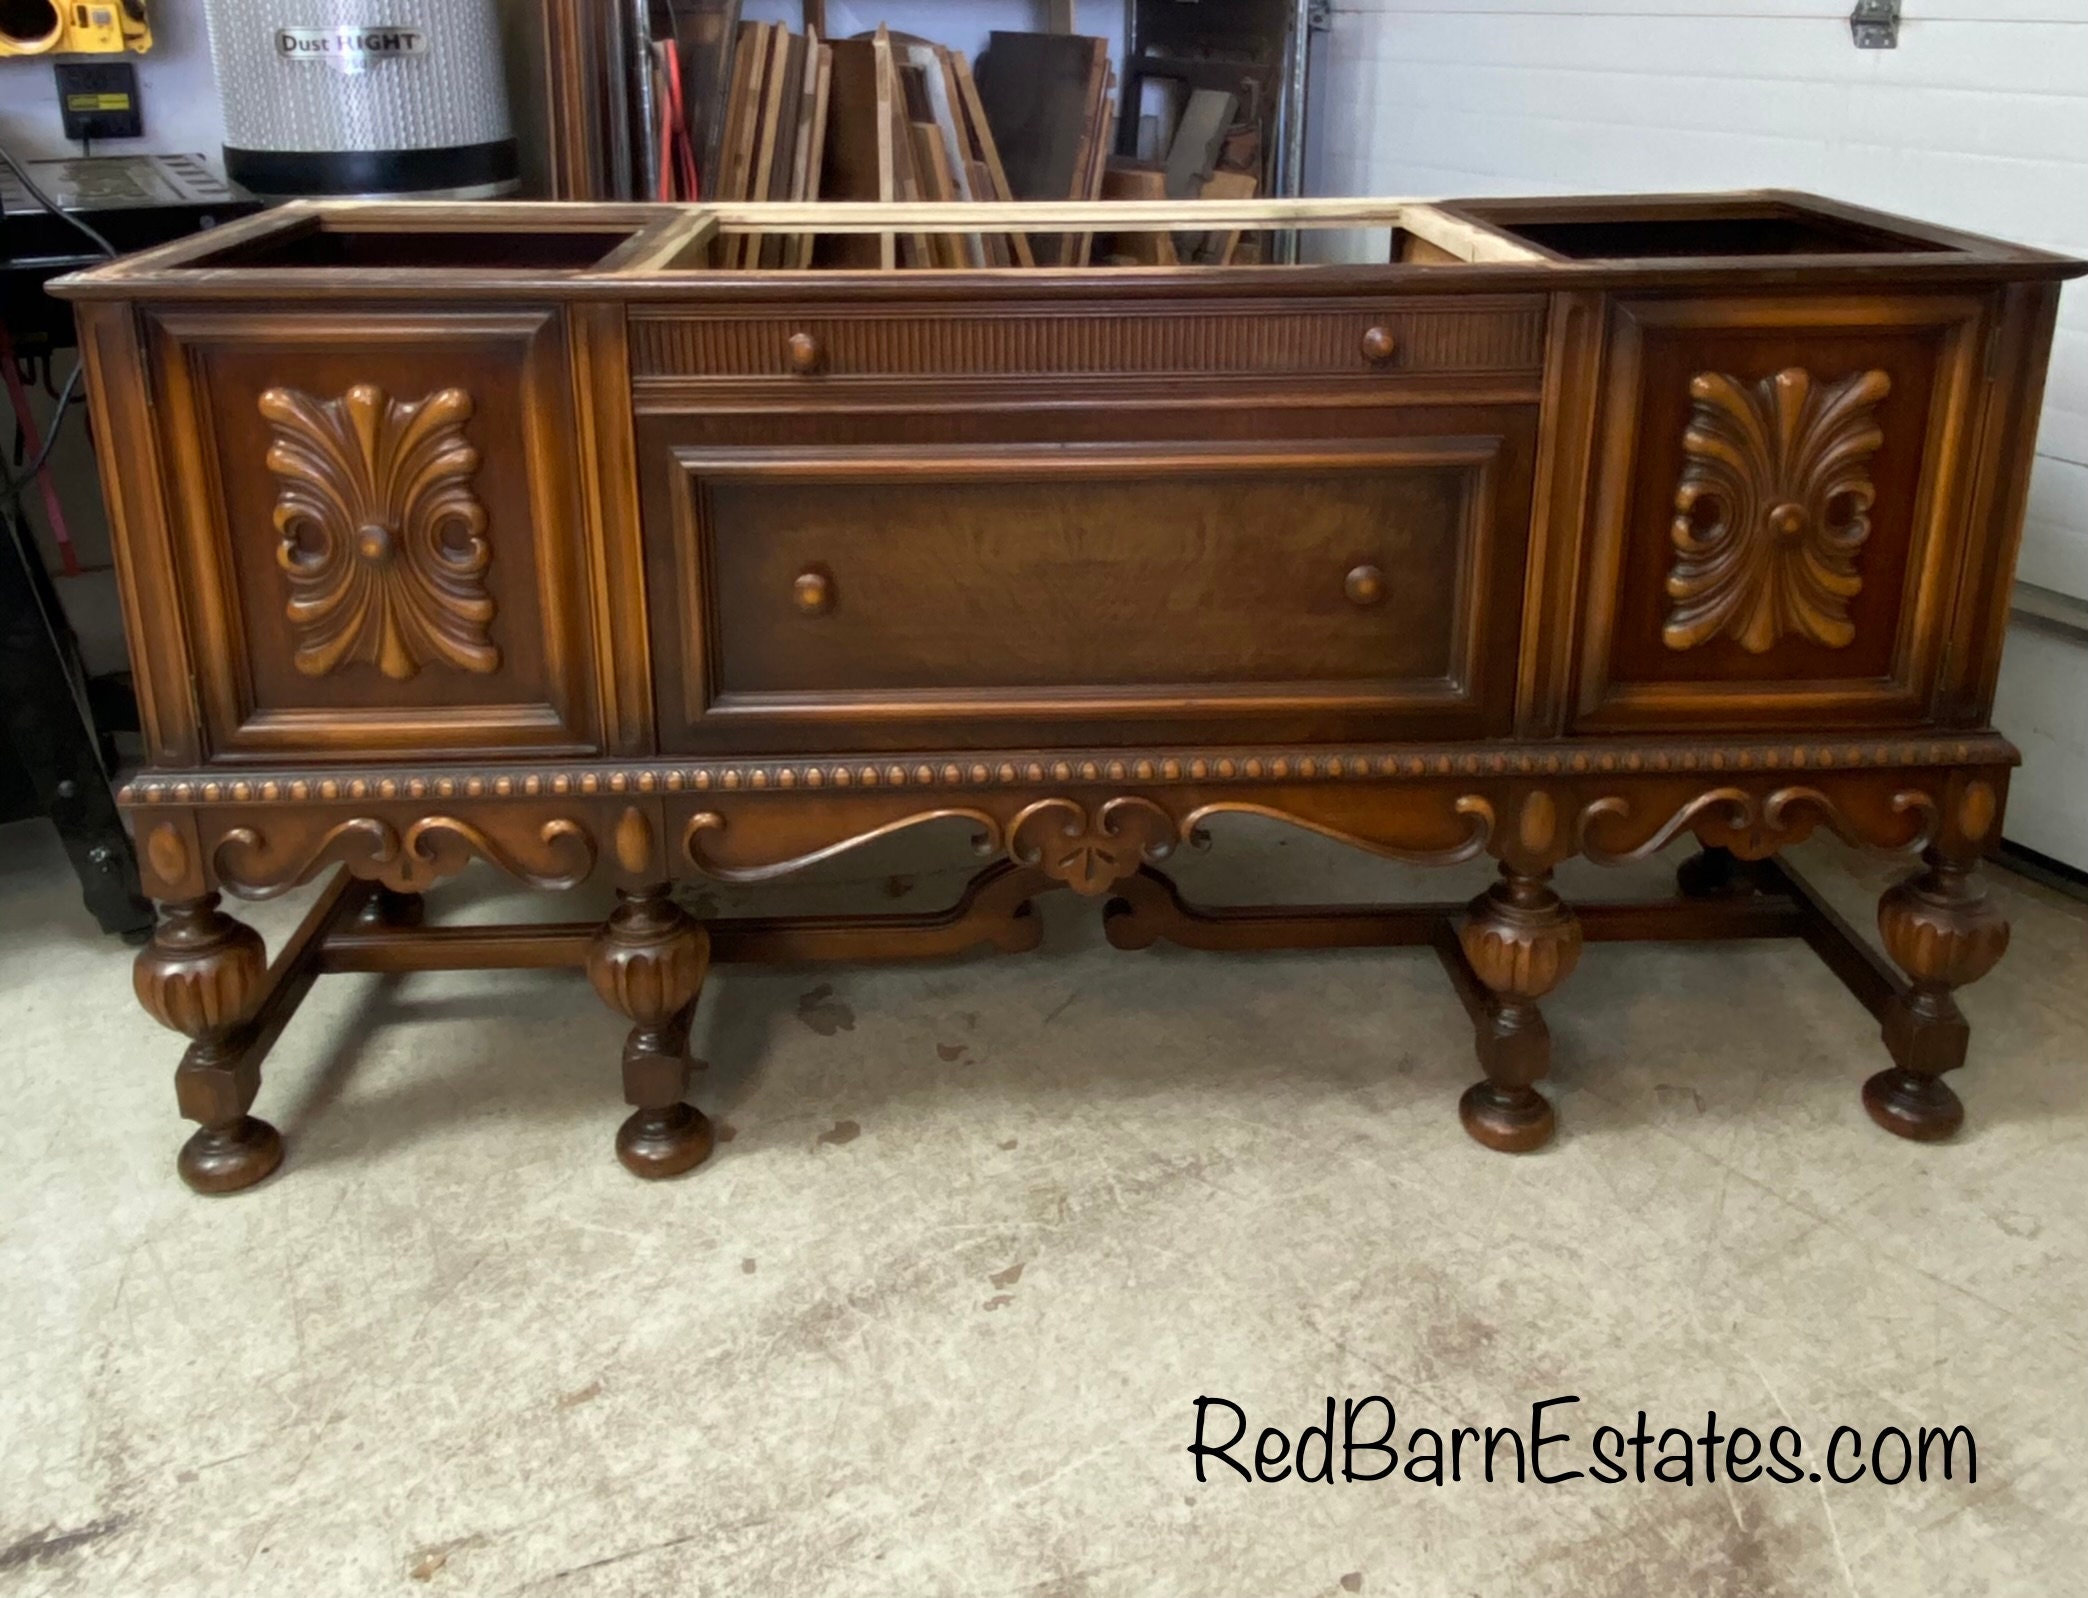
450 249
1697 231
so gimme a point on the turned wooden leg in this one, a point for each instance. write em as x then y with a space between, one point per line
1945 933
1713 873
648 963
201 975
1522 941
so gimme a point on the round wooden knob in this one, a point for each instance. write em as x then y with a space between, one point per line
813 593
1365 586
1788 520
374 544
1378 345
804 352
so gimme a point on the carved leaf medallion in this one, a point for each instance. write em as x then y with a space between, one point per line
381 538
1773 506
1088 850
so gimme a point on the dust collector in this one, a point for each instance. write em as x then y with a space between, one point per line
364 97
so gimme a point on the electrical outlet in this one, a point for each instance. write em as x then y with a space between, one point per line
99 100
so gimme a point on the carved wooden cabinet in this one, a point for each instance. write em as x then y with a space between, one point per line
529 534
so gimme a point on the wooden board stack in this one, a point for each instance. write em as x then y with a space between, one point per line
774 139
1050 98
1193 160
892 117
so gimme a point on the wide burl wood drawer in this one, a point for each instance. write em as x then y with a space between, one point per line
894 597
816 347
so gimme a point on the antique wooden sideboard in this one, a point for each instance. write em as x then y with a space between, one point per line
1562 528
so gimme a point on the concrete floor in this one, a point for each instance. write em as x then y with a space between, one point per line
934 1319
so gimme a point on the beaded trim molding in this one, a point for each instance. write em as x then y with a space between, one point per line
970 770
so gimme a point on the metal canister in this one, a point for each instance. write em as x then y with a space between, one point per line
364 97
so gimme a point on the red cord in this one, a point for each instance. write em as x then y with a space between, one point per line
19 397
677 154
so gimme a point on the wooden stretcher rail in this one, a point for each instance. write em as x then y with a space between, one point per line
344 932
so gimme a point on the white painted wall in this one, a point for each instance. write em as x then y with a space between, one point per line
1979 119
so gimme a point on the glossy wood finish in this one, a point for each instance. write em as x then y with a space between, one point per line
648 963
402 625
202 975
1946 934
1796 646
1519 941
520 534
970 593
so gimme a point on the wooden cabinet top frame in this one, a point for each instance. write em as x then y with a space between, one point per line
635 252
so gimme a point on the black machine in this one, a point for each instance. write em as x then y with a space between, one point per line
134 201
56 751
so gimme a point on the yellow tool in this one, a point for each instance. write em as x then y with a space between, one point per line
75 27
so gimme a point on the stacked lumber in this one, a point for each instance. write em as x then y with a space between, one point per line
882 116
942 149
773 139
893 117
692 50
1050 99
1190 145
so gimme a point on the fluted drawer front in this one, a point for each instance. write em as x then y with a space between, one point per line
1493 335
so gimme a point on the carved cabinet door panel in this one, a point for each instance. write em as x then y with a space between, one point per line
377 534
923 580
1777 509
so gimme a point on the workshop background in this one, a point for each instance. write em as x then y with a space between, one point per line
979 1233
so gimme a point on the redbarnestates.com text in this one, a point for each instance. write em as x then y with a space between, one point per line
1360 1440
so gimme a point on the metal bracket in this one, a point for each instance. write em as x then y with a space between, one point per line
1875 24
1319 16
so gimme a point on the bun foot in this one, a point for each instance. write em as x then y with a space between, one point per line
225 1159
662 1143
1507 1120
1921 1108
